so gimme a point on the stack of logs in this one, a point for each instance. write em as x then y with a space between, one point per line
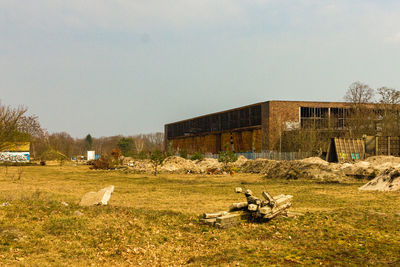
254 209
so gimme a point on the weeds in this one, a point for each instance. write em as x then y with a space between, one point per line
154 221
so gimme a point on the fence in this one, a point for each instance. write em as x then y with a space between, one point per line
273 155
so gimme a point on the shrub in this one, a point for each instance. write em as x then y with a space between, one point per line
183 154
226 157
103 163
197 156
157 159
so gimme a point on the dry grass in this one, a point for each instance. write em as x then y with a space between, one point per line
153 221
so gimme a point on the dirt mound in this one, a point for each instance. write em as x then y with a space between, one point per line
177 164
359 170
389 180
311 168
254 166
314 160
208 163
127 160
239 162
384 162
299 169
141 166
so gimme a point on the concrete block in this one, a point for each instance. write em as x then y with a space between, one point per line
97 198
238 206
208 221
214 214
252 207
228 220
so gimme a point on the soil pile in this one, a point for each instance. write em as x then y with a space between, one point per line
239 162
311 168
177 164
389 180
141 166
208 163
384 162
254 166
301 169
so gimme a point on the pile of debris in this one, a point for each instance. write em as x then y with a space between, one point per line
309 168
254 209
389 180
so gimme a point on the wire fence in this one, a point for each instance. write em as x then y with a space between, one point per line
273 155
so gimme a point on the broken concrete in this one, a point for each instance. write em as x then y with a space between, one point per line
97 198
78 213
389 180
254 209
227 221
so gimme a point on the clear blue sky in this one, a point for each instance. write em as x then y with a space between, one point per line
110 67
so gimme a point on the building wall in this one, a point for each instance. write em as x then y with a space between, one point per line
243 141
282 112
276 117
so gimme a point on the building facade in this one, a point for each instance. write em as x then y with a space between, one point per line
256 127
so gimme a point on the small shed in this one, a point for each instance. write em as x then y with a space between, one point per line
345 149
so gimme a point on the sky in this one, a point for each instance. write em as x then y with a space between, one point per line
109 67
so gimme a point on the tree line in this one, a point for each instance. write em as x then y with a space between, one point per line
17 126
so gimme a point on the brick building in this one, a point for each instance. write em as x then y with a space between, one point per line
254 127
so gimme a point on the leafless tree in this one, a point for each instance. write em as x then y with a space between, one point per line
362 118
139 145
389 111
359 93
9 122
388 96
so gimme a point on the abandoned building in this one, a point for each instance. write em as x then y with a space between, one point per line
256 127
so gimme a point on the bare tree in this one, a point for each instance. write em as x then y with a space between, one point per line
359 93
388 96
30 125
139 145
389 111
362 118
10 119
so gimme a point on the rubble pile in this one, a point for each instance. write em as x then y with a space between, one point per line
254 209
178 164
175 164
141 166
310 168
254 166
389 180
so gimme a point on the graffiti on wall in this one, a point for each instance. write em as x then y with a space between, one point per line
14 156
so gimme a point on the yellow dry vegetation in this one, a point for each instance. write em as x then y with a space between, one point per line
154 221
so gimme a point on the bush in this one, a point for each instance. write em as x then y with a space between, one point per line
197 156
103 163
183 154
157 159
226 157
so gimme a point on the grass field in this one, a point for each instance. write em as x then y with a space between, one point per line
154 221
